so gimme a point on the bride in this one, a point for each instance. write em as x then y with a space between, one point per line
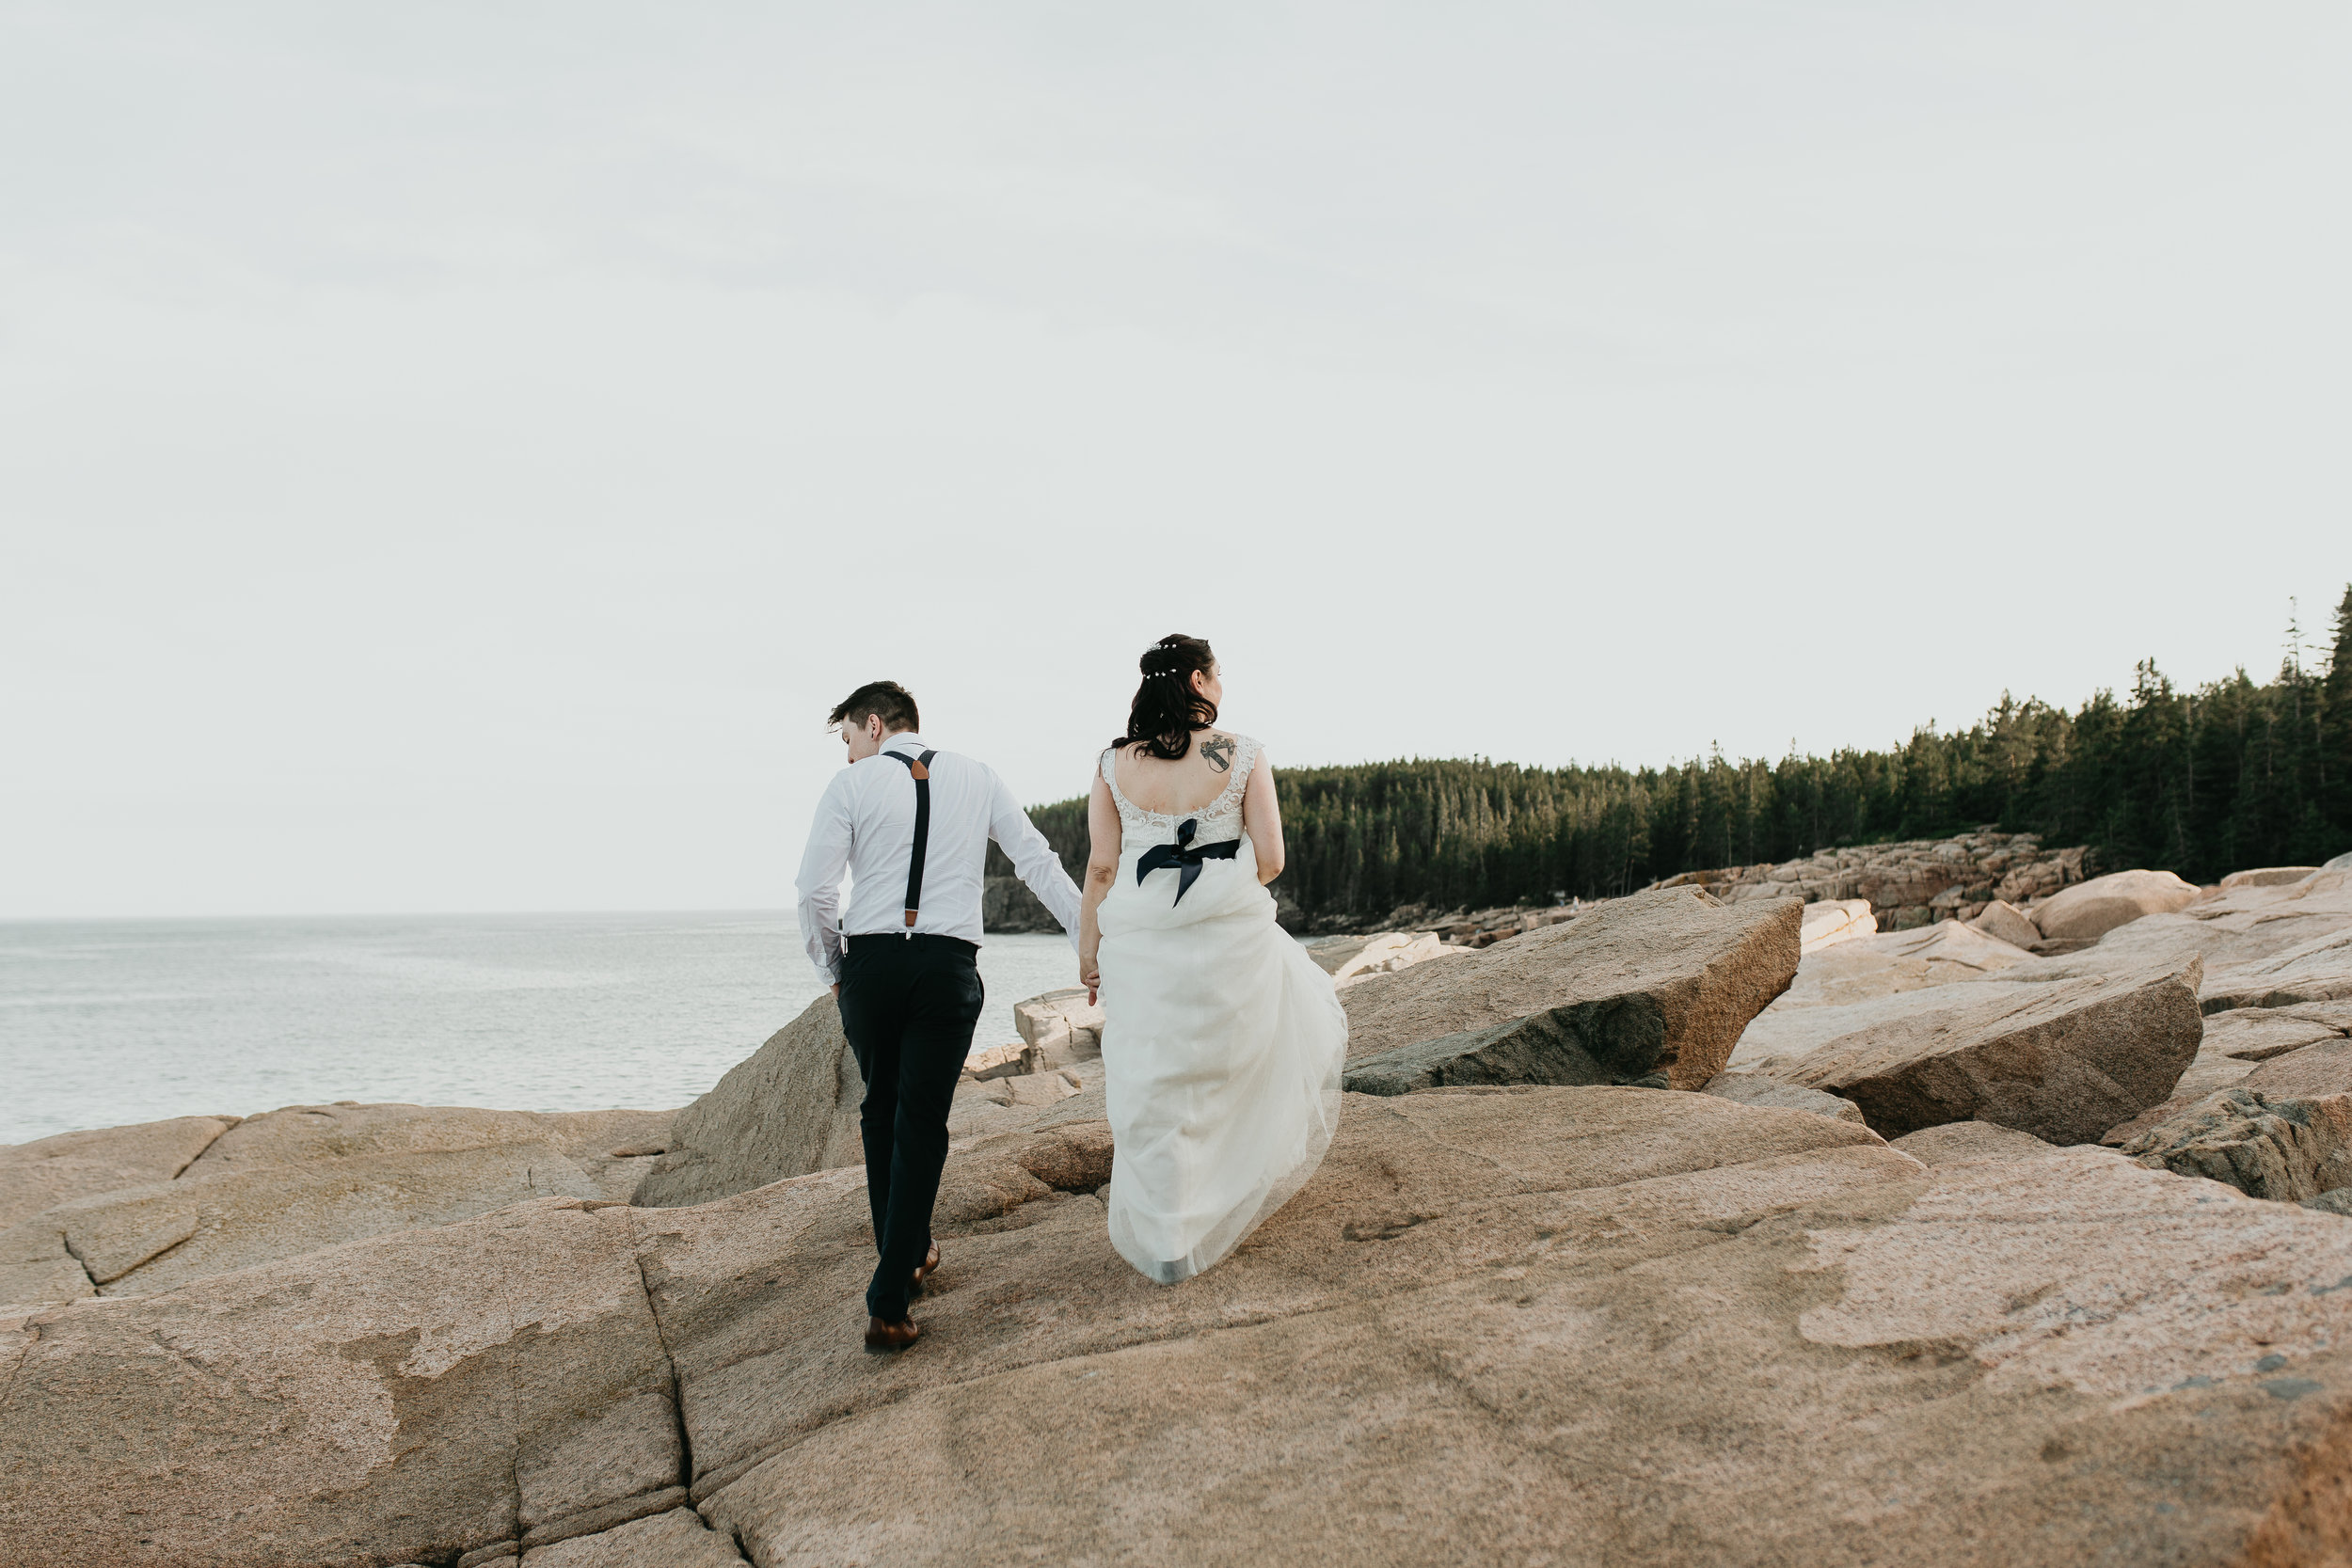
1222 1039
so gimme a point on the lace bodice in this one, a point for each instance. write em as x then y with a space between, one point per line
1219 820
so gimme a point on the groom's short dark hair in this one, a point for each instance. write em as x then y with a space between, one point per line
893 704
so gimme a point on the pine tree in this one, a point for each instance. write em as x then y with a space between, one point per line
2333 740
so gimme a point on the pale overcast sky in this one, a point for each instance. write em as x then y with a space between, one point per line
451 455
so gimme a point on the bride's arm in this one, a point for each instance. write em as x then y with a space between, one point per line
1102 867
1261 820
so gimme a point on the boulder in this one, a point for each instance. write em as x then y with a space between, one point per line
1003 1061
1760 1315
2342 863
1885 964
411 1398
1036 1089
789 1108
321 1135
2258 1034
1754 1089
36 1271
2322 1064
1330 952
2063 1060
1062 1025
298 1180
2209 1071
616 1149
2089 910
1835 920
2005 921
675 1539
1959 1143
1391 951
2283 1147
1584 1042
2261 947
1732 1309
2313 1072
1670 965
49 1171
2268 876
203 1224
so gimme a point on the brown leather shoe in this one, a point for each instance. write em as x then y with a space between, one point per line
929 1267
882 1335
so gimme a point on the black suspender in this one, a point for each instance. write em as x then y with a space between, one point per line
921 767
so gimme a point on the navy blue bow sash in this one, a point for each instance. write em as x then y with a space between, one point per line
1185 856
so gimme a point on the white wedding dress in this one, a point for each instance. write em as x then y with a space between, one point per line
1221 1043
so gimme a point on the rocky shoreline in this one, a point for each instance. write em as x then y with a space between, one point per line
1848 1245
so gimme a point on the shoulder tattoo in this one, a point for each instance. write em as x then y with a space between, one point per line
1218 752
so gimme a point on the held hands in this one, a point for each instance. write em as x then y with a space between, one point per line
1090 977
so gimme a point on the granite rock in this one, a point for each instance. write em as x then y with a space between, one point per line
1760 1314
2279 1146
2005 921
675 1539
2261 947
2090 909
409 1398
1959 1143
2063 1060
1754 1089
49 1171
1673 965
2268 876
789 1108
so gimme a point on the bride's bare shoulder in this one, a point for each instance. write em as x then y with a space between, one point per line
1222 749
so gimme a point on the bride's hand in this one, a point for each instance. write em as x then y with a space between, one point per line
1093 980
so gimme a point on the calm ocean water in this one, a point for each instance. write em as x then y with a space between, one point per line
103 1023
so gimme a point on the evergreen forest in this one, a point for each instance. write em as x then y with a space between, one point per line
2233 774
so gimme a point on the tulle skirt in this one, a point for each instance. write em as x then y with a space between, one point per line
1221 1048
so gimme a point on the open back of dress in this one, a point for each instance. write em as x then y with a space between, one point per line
1221 1041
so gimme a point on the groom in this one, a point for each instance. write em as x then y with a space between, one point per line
911 826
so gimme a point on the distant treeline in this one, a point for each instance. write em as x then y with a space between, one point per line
2231 775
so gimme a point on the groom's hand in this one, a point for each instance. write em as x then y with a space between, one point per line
836 990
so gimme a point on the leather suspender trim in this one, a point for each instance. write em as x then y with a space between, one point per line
921 768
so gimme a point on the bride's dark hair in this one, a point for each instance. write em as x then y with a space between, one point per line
1166 709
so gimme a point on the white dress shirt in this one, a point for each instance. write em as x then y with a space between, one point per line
865 827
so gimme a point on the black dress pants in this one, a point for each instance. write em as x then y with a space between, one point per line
909 1005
